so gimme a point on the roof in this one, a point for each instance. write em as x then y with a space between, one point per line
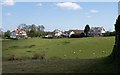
18 31
97 28
57 30
50 33
76 31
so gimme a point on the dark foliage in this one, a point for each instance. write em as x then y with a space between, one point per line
116 50
78 35
39 56
33 30
11 57
7 34
87 29
75 36
82 35
109 33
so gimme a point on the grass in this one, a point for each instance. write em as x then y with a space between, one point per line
67 48
60 66
64 55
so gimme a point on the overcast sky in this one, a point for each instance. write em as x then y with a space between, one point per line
59 15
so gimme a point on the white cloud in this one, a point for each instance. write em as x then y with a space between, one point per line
39 4
8 2
94 11
88 16
69 5
8 14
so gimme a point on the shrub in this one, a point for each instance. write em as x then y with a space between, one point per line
42 56
75 36
82 35
11 57
35 56
28 51
109 33
38 56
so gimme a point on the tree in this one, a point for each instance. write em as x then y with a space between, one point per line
32 33
108 33
87 29
40 28
22 27
115 55
7 34
33 30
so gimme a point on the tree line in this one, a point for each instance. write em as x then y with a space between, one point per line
31 30
38 31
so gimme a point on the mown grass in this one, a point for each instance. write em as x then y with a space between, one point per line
83 48
60 66
64 55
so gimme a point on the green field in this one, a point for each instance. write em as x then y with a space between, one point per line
83 48
62 55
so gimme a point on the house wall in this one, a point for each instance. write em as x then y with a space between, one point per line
16 35
97 31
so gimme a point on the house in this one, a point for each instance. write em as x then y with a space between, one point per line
49 35
75 32
66 34
70 32
17 34
97 31
57 33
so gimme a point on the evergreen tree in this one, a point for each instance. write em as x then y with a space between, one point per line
87 29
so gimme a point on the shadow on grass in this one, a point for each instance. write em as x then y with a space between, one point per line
53 66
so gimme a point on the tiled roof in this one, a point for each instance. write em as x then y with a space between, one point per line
77 31
18 31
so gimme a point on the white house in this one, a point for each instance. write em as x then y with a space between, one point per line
97 31
58 33
72 32
16 34
75 32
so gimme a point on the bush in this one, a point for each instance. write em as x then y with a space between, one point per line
28 51
42 56
11 57
35 56
109 33
82 35
38 56
75 36
7 34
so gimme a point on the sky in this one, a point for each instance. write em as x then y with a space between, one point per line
59 15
